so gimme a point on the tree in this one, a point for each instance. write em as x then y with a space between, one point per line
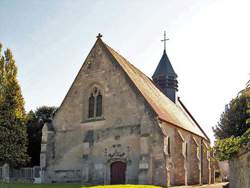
35 123
45 113
233 121
233 130
13 137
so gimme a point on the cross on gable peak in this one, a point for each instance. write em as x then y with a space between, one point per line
99 36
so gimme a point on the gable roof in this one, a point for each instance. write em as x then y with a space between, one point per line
165 109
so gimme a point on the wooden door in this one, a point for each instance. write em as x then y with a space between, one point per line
118 172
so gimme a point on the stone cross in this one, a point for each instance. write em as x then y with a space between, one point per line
99 36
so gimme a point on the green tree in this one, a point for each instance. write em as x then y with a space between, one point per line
13 136
45 113
233 130
233 121
35 122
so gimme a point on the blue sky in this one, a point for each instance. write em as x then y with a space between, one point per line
208 47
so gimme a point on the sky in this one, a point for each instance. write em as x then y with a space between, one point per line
208 47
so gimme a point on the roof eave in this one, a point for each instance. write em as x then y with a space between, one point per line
162 119
191 116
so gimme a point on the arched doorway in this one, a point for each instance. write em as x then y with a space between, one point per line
118 172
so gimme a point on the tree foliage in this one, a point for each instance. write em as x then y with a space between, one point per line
13 137
227 148
35 122
234 121
233 130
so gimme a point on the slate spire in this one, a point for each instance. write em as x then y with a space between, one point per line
165 77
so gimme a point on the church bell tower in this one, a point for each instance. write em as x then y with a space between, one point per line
165 77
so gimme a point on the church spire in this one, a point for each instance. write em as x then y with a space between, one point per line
164 76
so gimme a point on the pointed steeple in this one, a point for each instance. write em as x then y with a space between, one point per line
165 77
164 67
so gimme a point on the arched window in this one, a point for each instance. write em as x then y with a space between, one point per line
95 103
99 105
91 106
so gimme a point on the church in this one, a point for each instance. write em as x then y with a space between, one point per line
118 126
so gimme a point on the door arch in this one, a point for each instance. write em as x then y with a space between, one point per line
118 172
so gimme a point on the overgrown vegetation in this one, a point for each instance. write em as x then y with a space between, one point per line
233 129
227 148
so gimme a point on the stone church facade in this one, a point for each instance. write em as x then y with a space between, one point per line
118 126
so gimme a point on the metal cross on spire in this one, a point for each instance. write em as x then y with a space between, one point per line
164 40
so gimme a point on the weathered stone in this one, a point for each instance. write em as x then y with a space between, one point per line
82 148
240 169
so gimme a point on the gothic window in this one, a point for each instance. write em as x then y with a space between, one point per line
95 103
91 106
99 105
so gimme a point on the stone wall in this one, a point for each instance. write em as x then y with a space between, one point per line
195 162
240 169
189 161
206 170
180 172
80 149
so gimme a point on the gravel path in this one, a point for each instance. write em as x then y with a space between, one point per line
217 185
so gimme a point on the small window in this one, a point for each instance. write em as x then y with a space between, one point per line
169 147
95 104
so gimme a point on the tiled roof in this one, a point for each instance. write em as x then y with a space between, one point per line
166 110
164 67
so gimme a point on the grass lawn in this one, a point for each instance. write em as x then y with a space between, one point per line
19 185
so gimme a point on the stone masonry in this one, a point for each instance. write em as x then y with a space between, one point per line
240 169
76 148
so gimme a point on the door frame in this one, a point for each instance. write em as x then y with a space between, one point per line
125 170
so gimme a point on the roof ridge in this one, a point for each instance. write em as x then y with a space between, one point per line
165 109
124 58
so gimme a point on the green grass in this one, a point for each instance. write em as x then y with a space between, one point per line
20 185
